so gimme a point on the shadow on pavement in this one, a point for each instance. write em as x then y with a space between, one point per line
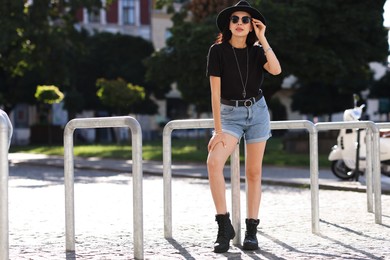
369 255
267 255
71 255
293 249
352 231
183 252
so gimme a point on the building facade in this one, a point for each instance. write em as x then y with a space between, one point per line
130 17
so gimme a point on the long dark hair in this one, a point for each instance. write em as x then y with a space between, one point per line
226 35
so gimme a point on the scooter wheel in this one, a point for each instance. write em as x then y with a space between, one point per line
341 170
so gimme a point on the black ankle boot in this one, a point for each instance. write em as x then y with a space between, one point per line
250 241
225 233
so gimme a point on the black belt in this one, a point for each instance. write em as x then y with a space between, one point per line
242 103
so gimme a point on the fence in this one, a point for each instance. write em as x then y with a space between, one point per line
104 122
5 141
235 170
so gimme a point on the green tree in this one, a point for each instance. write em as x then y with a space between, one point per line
46 96
49 94
38 45
118 95
112 56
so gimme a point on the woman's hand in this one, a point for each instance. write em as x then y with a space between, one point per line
215 139
259 28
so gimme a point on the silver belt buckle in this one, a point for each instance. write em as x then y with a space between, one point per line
248 101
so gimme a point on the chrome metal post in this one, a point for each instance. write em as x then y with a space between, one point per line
5 141
104 122
236 192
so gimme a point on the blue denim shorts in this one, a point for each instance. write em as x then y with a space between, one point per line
252 123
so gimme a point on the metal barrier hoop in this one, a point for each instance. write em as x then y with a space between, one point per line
5 141
373 172
167 174
104 122
235 178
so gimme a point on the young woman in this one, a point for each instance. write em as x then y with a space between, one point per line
235 65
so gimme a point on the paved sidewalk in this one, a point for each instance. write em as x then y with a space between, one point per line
296 177
104 227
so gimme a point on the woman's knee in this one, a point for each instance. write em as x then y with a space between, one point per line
253 174
214 163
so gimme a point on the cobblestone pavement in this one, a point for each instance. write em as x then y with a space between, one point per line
104 227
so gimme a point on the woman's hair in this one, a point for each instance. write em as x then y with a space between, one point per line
226 35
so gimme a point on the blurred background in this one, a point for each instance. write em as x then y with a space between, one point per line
147 58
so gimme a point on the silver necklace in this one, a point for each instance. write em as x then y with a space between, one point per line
239 70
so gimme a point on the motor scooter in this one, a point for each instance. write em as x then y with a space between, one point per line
351 148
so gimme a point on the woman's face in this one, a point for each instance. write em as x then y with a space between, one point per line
240 24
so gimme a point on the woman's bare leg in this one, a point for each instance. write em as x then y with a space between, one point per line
215 163
253 166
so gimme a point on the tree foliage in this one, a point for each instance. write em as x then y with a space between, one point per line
327 45
49 94
113 56
40 44
37 46
119 95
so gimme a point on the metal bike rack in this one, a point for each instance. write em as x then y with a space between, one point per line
235 170
373 162
104 122
5 141
167 173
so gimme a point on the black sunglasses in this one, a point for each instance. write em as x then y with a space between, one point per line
244 19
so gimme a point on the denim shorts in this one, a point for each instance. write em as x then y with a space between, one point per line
252 123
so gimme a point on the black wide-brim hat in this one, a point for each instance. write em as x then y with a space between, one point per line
224 16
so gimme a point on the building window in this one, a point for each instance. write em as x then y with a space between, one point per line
94 15
128 11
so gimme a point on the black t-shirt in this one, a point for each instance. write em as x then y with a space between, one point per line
222 63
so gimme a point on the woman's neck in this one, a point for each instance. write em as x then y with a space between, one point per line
238 42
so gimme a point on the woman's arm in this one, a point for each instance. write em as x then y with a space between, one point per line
272 65
215 84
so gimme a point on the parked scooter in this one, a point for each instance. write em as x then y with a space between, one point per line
351 145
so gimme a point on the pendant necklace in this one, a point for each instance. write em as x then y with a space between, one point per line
239 71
